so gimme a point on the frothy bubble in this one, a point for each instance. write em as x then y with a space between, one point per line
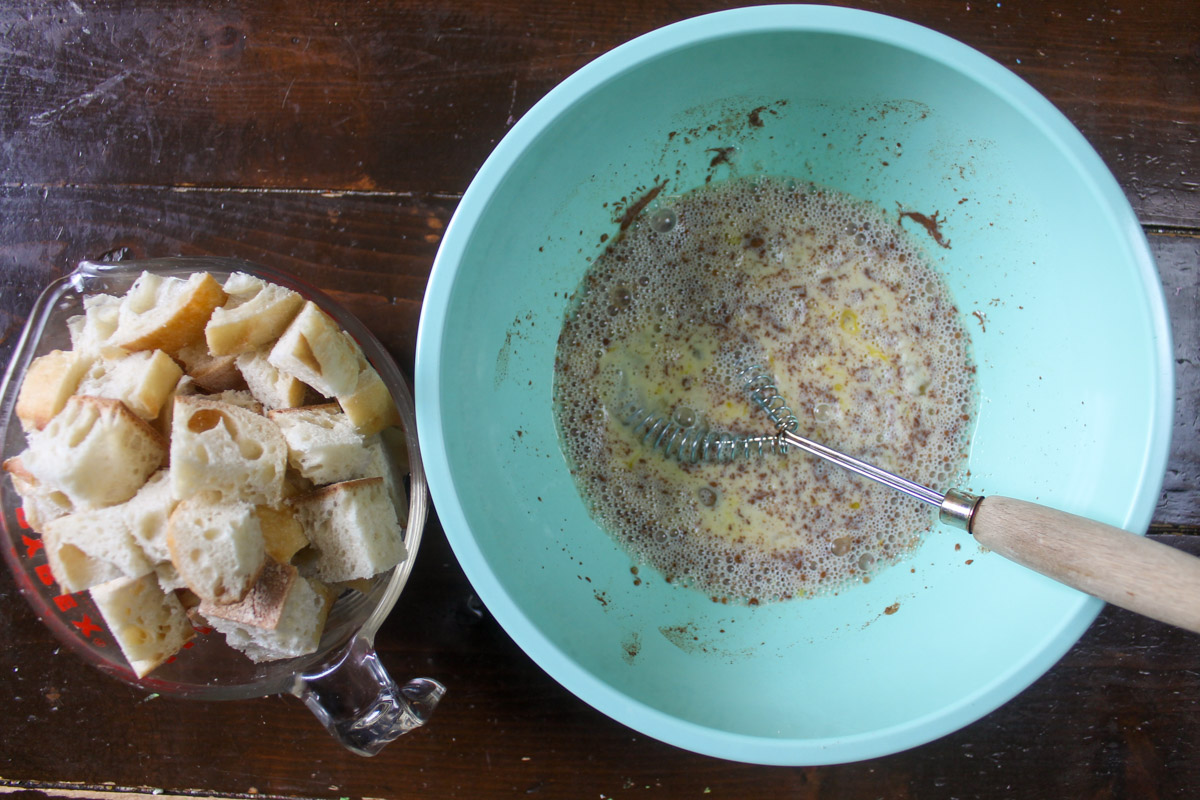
663 220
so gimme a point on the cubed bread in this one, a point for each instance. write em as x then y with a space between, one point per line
95 451
353 528
255 314
283 535
297 631
147 514
92 331
272 388
150 625
370 405
222 447
323 444
142 380
39 503
318 352
50 380
211 373
216 546
87 548
264 604
241 398
165 313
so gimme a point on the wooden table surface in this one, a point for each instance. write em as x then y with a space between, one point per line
334 140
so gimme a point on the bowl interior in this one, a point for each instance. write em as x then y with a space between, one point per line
1047 265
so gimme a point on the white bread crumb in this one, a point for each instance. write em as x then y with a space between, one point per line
255 314
324 446
216 546
353 529
90 547
39 503
222 447
264 604
91 332
142 381
95 451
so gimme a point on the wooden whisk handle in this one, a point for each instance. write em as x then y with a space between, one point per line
1117 566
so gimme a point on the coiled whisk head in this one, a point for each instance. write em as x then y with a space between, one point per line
694 444
760 383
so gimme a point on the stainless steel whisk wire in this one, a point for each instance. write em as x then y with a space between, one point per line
695 444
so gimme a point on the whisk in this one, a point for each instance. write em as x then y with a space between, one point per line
1119 567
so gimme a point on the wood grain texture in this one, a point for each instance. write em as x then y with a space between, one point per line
411 96
334 141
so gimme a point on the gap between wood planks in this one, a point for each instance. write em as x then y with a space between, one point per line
194 189
82 791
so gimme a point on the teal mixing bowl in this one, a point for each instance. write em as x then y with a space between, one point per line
1048 267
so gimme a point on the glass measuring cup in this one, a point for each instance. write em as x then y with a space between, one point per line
343 683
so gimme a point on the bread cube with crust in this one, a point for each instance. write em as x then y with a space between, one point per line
323 444
90 547
91 332
149 624
147 513
49 381
39 503
255 314
210 373
353 528
263 605
166 313
297 630
95 451
142 380
272 388
216 546
222 447
318 352
370 405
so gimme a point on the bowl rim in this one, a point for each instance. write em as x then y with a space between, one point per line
962 58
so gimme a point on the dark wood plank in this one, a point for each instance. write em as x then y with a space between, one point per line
1178 260
411 96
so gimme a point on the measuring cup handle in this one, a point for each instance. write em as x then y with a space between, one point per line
357 701
1122 568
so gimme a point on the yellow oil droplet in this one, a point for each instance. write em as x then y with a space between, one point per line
849 321
877 353
856 505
